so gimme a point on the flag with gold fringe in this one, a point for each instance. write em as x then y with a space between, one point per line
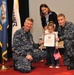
3 28
16 24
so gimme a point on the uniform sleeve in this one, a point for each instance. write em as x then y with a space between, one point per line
17 44
68 33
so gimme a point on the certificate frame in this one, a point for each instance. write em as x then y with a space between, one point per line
50 40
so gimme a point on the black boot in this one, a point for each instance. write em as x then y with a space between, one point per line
32 67
71 64
70 68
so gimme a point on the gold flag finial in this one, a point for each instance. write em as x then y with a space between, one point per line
0 44
0 27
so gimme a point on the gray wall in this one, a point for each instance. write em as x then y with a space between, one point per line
59 6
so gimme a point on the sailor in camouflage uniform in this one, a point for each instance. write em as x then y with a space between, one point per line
25 51
66 33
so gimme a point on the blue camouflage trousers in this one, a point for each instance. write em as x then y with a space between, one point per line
24 65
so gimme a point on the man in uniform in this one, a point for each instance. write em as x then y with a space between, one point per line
66 33
25 51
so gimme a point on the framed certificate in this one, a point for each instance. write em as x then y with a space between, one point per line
49 40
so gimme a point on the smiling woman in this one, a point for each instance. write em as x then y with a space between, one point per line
59 6
47 15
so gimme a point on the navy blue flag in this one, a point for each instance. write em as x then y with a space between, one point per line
0 23
3 28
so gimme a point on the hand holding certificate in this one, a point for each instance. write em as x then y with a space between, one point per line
49 40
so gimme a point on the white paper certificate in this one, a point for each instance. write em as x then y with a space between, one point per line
49 40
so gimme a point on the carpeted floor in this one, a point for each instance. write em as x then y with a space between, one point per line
41 69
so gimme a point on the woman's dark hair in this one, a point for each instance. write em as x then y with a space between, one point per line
44 5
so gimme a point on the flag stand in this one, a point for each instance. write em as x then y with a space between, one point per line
3 67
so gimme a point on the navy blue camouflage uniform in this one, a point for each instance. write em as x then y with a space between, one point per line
23 44
66 33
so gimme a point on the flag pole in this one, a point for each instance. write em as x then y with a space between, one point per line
3 30
3 67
